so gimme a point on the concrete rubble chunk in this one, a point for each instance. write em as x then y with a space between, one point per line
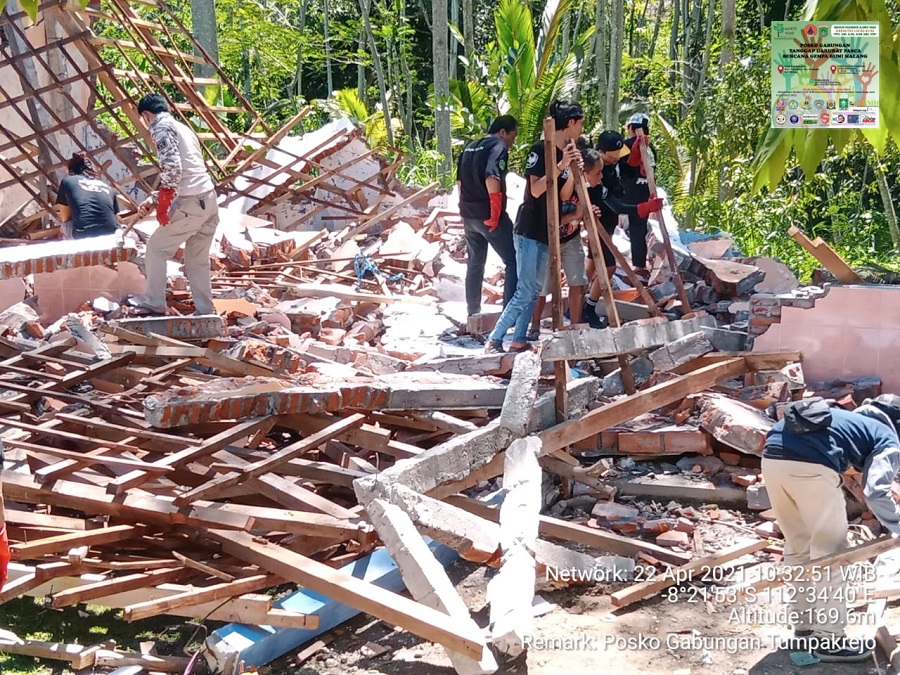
425 577
195 327
511 592
281 359
242 398
727 277
726 340
607 513
680 351
758 498
633 337
521 394
734 423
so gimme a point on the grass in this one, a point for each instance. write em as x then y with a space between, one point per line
89 625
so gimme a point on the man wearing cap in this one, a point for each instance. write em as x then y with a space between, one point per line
605 192
805 455
481 177
636 188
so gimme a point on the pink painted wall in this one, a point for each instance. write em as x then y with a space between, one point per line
854 331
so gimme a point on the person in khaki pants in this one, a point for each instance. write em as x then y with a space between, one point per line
186 209
805 456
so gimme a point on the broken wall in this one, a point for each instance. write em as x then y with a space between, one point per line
853 331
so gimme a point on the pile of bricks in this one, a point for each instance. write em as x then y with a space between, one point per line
765 308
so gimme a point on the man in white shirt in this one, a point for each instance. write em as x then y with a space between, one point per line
185 207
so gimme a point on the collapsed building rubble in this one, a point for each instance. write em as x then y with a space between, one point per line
338 406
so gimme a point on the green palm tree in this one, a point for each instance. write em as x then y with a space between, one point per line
522 72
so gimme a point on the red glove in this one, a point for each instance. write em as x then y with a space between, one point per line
163 202
4 555
634 157
652 206
496 208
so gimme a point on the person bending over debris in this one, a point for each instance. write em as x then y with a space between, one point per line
805 456
186 208
531 240
601 172
86 206
481 176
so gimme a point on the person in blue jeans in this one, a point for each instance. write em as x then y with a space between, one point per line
532 249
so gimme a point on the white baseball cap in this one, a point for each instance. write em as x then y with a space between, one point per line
638 119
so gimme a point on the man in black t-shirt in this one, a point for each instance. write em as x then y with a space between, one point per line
481 176
89 204
636 189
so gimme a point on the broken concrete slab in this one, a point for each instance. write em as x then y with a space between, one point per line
192 328
726 340
681 489
736 424
243 398
499 365
20 261
727 277
641 370
779 278
521 394
425 578
510 593
682 350
633 337
758 498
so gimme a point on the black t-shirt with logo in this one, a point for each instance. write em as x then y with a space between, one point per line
93 204
486 158
532 220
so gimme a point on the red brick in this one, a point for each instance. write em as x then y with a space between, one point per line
730 458
673 538
652 528
684 525
745 480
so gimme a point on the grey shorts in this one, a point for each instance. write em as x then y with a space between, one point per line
571 254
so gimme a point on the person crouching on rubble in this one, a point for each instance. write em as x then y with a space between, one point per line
186 209
532 249
805 456
85 205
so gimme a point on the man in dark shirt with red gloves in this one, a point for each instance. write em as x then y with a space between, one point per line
481 176
636 189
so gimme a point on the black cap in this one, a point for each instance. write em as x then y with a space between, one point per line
612 141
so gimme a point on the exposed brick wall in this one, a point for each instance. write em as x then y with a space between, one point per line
765 308
14 269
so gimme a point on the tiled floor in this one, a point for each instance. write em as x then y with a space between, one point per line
854 331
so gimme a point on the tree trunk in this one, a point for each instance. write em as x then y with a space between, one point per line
887 200
469 35
453 51
616 44
673 42
601 24
328 71
729 19
203 20
656 25
409 121
361 68
379 70
298 76
441 84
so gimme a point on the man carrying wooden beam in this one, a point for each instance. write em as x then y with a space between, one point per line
186 209
481 177
805 456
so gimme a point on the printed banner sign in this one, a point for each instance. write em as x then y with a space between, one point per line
825 74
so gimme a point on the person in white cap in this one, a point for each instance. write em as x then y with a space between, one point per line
636 189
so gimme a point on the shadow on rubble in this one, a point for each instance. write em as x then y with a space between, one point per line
779 663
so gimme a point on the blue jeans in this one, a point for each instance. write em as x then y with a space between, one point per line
531 264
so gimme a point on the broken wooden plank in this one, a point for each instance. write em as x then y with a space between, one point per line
830 260
684 573
78 656
116 585
628 408
395 609
64 542
266 465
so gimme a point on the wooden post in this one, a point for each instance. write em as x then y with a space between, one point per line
561 368
590 223
670 254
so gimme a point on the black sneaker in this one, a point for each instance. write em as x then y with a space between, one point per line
493 347
594 321
842 650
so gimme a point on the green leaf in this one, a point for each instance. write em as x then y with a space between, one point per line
811 149
769 144
30 7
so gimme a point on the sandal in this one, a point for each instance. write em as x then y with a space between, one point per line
493 347
533 335
519 350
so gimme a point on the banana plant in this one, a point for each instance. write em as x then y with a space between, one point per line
30 7
522 71
774 148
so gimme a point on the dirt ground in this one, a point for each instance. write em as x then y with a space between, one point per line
661 636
